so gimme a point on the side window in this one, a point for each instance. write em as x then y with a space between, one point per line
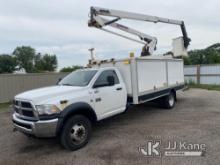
102 79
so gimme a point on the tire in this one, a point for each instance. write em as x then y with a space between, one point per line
76 132
169 100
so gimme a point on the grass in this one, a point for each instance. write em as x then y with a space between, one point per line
205 86
4 106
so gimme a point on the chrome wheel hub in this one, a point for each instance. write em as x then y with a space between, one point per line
78 133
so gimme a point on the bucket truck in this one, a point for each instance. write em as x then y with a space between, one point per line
107 88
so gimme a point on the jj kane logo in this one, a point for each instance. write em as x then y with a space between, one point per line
154 148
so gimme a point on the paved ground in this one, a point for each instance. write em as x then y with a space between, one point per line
195 119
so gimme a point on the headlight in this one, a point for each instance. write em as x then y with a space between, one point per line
47 109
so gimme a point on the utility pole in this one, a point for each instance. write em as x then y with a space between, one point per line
92 59
92 54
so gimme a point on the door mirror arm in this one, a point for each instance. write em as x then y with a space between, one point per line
58 81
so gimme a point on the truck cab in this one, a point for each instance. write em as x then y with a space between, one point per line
69 108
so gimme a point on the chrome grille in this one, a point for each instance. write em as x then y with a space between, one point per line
24 109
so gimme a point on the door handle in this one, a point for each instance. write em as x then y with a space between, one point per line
98 99
118 89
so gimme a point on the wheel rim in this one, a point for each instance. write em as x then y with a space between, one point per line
171 100
78 133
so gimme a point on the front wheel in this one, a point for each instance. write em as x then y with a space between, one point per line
76 132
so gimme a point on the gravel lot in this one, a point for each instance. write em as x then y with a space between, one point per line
195 118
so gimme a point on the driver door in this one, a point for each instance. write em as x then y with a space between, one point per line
109 98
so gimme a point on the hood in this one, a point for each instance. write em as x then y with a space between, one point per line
43 94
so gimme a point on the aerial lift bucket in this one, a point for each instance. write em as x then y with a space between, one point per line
179 48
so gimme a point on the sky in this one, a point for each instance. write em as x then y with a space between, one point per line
60 27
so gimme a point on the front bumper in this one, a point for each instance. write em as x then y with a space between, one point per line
41 128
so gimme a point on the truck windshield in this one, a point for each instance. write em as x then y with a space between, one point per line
78 78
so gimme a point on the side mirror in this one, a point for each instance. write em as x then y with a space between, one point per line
111 80
59 81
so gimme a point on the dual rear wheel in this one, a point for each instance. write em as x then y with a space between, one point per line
169 101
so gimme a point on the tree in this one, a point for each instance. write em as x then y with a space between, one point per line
25 58
186 61
37 62
46 62
71 69
7 64
197 57
215 46
210 55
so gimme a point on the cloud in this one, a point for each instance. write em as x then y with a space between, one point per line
60 27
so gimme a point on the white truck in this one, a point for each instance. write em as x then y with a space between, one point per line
85 96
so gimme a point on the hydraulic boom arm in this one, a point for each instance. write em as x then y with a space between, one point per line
99 22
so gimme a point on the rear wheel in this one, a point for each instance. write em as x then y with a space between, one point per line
76 132
169 100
